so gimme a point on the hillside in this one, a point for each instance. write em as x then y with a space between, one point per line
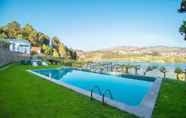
49 46
160 54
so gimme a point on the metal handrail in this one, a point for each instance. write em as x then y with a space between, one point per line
92 90
105 92
50 76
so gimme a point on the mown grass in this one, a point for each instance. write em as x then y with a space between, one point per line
23 95
172 100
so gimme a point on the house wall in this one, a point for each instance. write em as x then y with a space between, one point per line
7 56
20 47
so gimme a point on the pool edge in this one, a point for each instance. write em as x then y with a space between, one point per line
144 110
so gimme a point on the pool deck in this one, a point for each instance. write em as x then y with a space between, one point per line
144 110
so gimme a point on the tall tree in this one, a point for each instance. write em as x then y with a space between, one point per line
182 9
136 68
43 39
55 42
46 50
71 54
3 34
164 71
55 53
33 38
12 30
149 68
178 71
182 29
126 67
182 6
27 30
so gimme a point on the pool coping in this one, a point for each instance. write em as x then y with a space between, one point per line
144 110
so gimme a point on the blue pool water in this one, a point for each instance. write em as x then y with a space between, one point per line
124 90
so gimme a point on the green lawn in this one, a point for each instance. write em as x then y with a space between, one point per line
23 95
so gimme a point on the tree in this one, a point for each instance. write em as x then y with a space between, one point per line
72 54
46 50
136 68
147 70
36 38
182 28
150 68
126 67
178 71
56 42
62 50
33 38
43 39
3 36
12 30
19 36
182 6
185 73
55 53
27 30
164 71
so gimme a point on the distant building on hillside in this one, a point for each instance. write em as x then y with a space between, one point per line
36 50
20 46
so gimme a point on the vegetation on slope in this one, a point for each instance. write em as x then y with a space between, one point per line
14 30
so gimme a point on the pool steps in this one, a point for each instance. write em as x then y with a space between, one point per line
101 94
92 90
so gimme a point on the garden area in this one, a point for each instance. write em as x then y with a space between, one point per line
25 95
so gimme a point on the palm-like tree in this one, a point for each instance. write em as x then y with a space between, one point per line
116 67
185 74
149 68
126 67
137 67
178 71
164 71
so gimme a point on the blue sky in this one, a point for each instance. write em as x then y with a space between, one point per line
97 24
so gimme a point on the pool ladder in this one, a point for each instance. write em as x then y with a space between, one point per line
92 90
107 91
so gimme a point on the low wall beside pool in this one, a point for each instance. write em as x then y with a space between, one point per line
7 57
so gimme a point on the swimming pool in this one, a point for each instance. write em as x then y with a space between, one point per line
124 91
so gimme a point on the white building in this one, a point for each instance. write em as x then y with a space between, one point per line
20 46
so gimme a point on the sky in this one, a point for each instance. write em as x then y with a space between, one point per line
99 24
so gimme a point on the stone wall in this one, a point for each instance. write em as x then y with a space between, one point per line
7 57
